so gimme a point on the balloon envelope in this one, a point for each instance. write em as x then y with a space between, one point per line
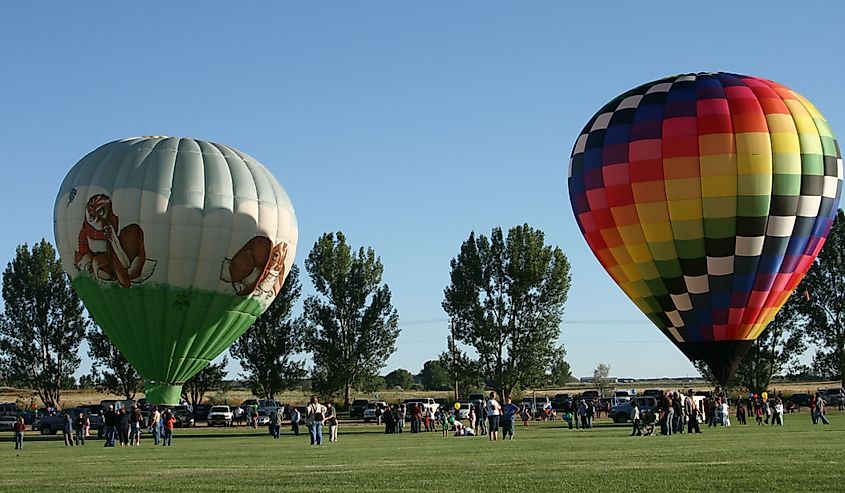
175 246
707 197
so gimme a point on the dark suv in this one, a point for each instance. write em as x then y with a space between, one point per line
356 409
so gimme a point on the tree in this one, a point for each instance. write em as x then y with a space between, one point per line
506 300
776 349
601 377
42 325
560 372
352 326
266 350
464 372
110 370
823 291
87 381
210 378
400 377
435 376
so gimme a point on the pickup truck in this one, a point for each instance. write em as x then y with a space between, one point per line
50 425
427 403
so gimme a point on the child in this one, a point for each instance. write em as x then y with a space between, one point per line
526 416
445 422
740 413
758 411
19 428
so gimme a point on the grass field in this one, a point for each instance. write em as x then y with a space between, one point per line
544 457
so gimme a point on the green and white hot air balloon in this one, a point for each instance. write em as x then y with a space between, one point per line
175 246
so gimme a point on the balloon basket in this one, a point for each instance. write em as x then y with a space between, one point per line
162 394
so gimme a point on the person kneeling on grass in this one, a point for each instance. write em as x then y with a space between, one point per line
463 431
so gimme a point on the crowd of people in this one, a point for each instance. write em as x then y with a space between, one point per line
674 412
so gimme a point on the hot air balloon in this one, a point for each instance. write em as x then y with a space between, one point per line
175 246
707 197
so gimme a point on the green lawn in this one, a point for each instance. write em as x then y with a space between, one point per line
543 458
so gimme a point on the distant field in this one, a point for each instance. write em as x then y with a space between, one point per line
543 458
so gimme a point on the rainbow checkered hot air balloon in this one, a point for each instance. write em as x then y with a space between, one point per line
707 197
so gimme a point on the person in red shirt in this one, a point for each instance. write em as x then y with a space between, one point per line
19 428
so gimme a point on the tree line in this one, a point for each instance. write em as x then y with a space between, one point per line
505 298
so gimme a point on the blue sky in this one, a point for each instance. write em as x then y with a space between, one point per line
404 124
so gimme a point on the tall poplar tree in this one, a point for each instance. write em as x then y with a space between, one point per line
506 300
352 325
42 324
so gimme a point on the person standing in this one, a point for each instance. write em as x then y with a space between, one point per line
400 418
67 431
820 403
136 419
331 420
294 421
110 423
509 412
155 425
79 428
314 420
20 428
635 419
169 423
692 412
276 423
494 411
123 427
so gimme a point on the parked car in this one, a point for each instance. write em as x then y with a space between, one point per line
50 425
9 409
560 401
263 418
219 415
463 411
651 392
623 411
268 405
623 395
7 422
184 419
356 409
476 396
590 394
800 399
370 412
834 396
200 411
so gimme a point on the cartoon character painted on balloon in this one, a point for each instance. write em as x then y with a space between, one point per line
258 268
108 253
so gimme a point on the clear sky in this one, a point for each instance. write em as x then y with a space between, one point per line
404 124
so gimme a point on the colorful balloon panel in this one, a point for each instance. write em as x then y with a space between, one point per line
707 197
175 246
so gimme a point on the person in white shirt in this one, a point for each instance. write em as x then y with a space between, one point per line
494 412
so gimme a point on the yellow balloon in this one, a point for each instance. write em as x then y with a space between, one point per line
765 395
457 405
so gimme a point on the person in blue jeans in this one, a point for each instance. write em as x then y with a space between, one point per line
509 411
314 420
